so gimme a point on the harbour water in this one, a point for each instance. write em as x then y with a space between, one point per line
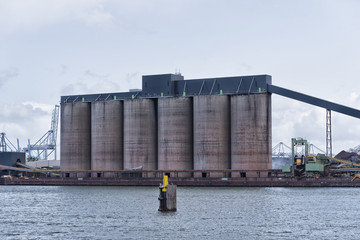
53 212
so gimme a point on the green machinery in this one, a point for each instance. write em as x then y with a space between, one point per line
314 166
305 164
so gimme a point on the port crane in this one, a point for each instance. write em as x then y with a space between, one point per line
281 150
6 145
46 145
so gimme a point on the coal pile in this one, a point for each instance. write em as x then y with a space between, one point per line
348 156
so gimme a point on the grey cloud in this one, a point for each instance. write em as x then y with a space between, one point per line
244 67
101 86
91 13
7 74
90 82
20 113
131 76
95 75
68 89
132 79
23 121
74 88
64 69
97 16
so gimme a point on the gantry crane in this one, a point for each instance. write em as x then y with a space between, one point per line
6 145
46 145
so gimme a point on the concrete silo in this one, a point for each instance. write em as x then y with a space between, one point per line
106 136
175 134
251 131
76 137
140 140
171 124
211 133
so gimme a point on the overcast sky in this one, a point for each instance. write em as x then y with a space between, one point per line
62 47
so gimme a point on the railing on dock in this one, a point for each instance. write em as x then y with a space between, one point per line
131 174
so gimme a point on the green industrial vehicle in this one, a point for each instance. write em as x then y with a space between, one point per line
303 163
312 166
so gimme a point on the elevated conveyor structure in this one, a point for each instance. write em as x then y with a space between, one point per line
329 106
26 166
23 168
4 167
344 161
314 101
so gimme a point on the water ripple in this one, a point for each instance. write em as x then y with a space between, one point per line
45 212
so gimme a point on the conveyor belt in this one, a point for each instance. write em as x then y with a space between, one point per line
3 167
26 166
344 161
314 101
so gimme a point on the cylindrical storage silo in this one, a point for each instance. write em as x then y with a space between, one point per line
106 137
251 132
140 141
175 135
75 137
211 134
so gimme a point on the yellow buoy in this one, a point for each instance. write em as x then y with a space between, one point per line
165 183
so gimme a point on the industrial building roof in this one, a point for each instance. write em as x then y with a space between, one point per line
172 85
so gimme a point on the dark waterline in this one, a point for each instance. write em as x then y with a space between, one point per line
45 212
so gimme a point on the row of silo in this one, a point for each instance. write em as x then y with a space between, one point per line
212 132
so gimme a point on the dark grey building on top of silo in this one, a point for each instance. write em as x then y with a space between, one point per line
171 124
